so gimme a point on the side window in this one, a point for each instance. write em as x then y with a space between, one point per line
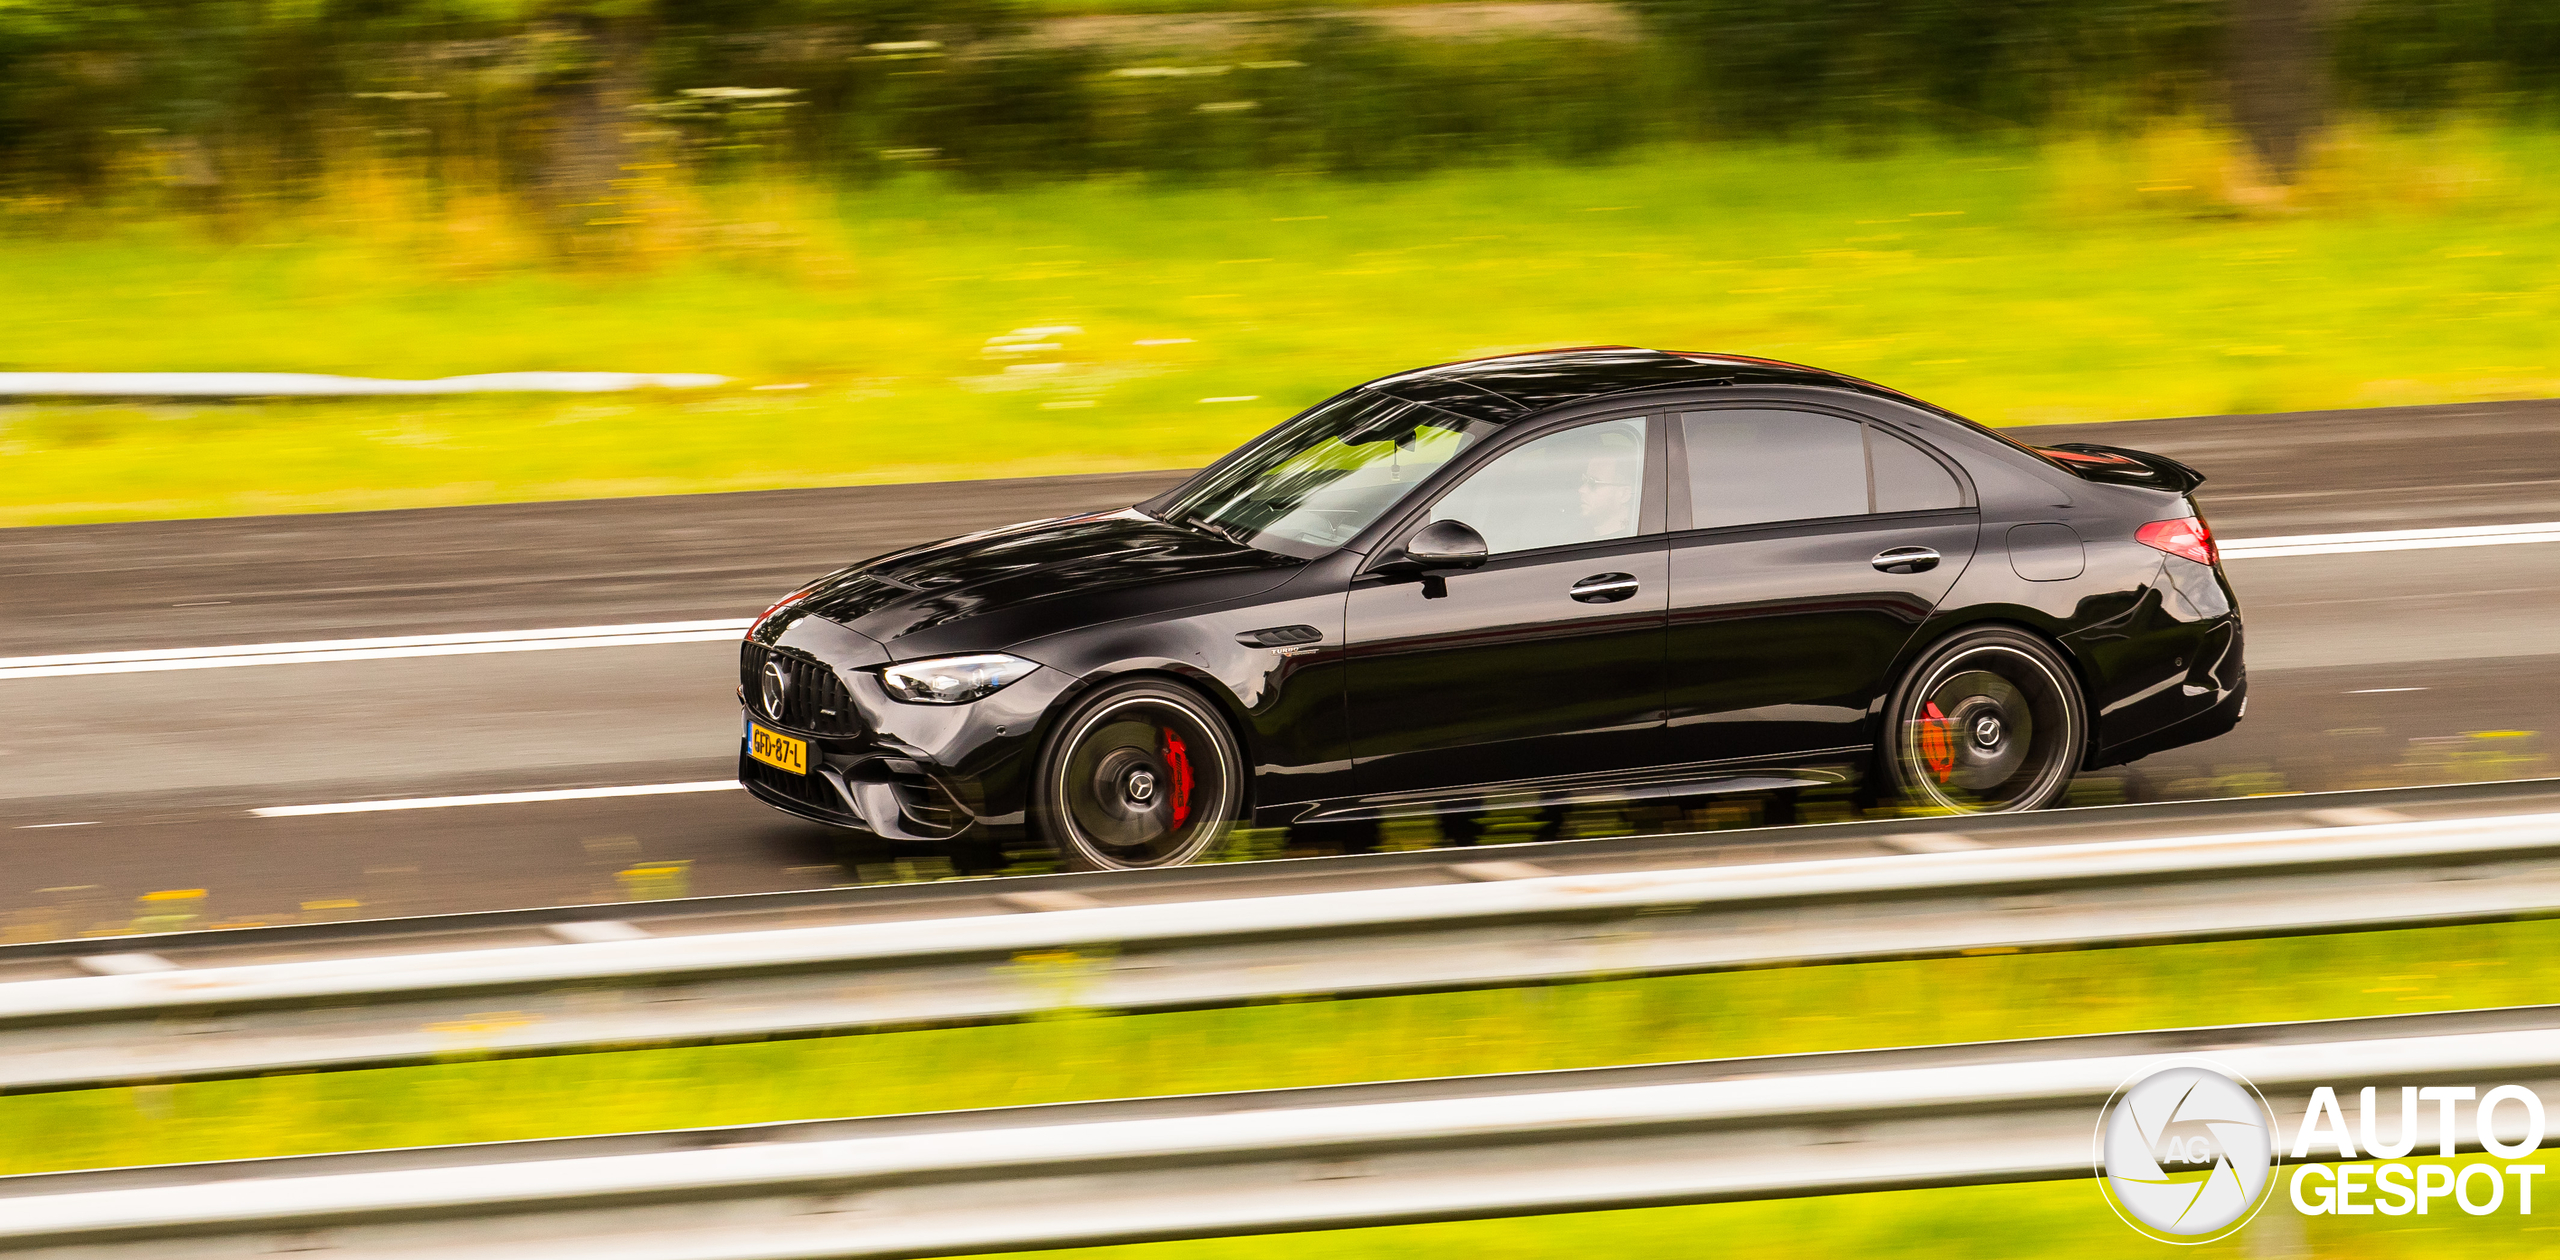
1585 484
1748 467
1754 467
1907 480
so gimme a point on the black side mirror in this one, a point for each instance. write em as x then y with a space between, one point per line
1445 545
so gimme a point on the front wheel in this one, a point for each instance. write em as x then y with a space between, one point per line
1140 774
1991 721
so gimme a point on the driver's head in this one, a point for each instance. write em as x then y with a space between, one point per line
1609 482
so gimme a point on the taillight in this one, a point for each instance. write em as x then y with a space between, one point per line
2189 539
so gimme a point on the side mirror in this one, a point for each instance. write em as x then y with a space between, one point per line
1445 545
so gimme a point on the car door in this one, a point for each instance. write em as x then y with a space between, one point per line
1809 546
1545 661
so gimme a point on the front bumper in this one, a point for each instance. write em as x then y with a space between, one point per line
891 798
906 772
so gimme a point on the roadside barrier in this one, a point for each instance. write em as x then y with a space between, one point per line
1497 923
1079 1174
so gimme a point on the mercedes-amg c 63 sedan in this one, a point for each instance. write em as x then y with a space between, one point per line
1602 574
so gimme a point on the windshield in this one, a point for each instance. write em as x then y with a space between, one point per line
1314 483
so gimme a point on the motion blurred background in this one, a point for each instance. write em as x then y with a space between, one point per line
983 239
1003 237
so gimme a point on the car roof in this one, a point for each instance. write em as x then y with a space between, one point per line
1508 387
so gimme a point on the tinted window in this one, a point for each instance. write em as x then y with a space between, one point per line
1747 466
1313 483
1907 480
1582 485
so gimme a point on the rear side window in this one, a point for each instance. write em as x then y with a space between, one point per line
1907 480
1748 467
1754 466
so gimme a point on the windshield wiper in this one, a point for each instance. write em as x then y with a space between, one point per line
1235 534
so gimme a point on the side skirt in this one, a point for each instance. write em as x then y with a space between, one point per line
1833 767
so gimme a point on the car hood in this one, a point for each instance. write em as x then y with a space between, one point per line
984 591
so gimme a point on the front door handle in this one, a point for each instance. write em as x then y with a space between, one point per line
1605 588
1905 560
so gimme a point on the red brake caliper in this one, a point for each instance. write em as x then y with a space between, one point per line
1937 743
1178 759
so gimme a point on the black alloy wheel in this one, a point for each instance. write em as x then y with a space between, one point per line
1141 774
1991 721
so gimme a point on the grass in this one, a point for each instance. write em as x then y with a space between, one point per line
1310 1043
2073 281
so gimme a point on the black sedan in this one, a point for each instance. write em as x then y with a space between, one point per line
1603 574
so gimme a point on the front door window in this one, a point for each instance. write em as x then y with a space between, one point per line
1547 660
1583 485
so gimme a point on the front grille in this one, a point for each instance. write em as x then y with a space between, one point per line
815 699
809 789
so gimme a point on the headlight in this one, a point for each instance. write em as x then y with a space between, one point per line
954 679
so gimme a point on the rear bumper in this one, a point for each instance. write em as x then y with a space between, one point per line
2223 715
2197 694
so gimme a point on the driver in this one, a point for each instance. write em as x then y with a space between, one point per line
1609 482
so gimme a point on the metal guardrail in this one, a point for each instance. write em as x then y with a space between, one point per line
1080 1174
348 1012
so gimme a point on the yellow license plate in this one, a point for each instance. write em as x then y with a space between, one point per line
780 751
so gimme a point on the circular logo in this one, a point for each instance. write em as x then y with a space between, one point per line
2186 1153
777 685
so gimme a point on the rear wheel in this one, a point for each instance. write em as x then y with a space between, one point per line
1140 774
1991 721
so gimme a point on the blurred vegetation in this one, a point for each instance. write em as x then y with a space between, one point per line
1881 67
582 112
222 104
2028 210
1075 1053
2068 280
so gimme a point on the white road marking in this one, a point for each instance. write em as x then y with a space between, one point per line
495 798
2378 691
157 659
310 385
2390 540
651 633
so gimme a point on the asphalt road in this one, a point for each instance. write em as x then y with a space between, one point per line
2367 670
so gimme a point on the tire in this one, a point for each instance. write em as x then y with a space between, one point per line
1989 721
1140 774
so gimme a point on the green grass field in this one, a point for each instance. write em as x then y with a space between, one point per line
2077 281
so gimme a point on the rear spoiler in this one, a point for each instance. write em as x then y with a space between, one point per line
2118 466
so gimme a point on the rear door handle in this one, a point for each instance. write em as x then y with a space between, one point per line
1604 588
1905 560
